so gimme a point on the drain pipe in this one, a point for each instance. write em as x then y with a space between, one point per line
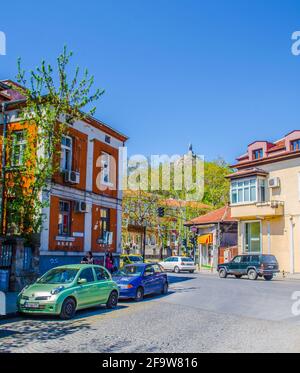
292 245
3 165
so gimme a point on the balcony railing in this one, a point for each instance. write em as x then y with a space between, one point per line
256 210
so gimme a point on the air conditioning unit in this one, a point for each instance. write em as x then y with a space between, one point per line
274 182
72 177
81 206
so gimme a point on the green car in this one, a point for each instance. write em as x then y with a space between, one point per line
64 290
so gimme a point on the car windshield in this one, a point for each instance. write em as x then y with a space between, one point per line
133 271
269 259
186 259
135 258
58 276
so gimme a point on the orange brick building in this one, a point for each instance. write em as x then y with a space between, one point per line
85 202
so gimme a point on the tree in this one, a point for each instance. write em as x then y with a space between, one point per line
216 186
52 101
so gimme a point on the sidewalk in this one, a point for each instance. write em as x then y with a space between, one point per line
279 276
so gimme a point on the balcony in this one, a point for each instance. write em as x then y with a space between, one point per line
257 210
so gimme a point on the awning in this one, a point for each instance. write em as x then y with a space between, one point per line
205 239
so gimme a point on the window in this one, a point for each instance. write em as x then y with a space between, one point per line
262 190
153 240
64 218
295 145
248 191
243 191
105 168
58 276
254 258
237 259
105 223
149 271
252 241
87 274
107 139
157 268
246 259
101 274
66 154
18 148
258 154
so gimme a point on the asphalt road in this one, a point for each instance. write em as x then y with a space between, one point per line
201 313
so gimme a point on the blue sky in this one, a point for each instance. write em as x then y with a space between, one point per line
219 74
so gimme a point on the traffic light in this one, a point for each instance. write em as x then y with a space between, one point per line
161 212
192 241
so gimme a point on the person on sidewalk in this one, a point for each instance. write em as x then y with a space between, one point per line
109 262
88 259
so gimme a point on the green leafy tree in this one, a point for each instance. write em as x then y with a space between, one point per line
53 99
216 186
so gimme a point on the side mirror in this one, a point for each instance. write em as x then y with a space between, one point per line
82 281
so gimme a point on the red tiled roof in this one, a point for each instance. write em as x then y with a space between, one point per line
247 172
217 216
278 146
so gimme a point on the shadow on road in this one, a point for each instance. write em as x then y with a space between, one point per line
174 279
20 332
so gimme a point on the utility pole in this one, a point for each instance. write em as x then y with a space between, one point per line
144 242
3 165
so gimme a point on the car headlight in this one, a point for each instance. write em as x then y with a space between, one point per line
127 286
57 290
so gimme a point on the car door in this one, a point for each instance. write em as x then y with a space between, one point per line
245 264
235 265
103 284
159 277
148 281
86 293
175 263
167 264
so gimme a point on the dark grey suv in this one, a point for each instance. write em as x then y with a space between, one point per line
250 265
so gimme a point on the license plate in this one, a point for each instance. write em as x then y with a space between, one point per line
31 305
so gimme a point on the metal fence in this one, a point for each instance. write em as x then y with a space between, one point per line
6 251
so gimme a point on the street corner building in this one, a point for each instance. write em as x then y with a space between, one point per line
80 216
217 236
265 199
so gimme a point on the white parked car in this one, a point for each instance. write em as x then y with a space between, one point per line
178 264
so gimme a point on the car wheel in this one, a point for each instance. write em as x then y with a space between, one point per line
268 277
112 300
68 309
192 271
238 276
139 294
165 288
252 274
176 270
222 273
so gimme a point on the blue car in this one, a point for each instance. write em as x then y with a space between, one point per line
137 280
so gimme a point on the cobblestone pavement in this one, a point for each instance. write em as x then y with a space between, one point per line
201 313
